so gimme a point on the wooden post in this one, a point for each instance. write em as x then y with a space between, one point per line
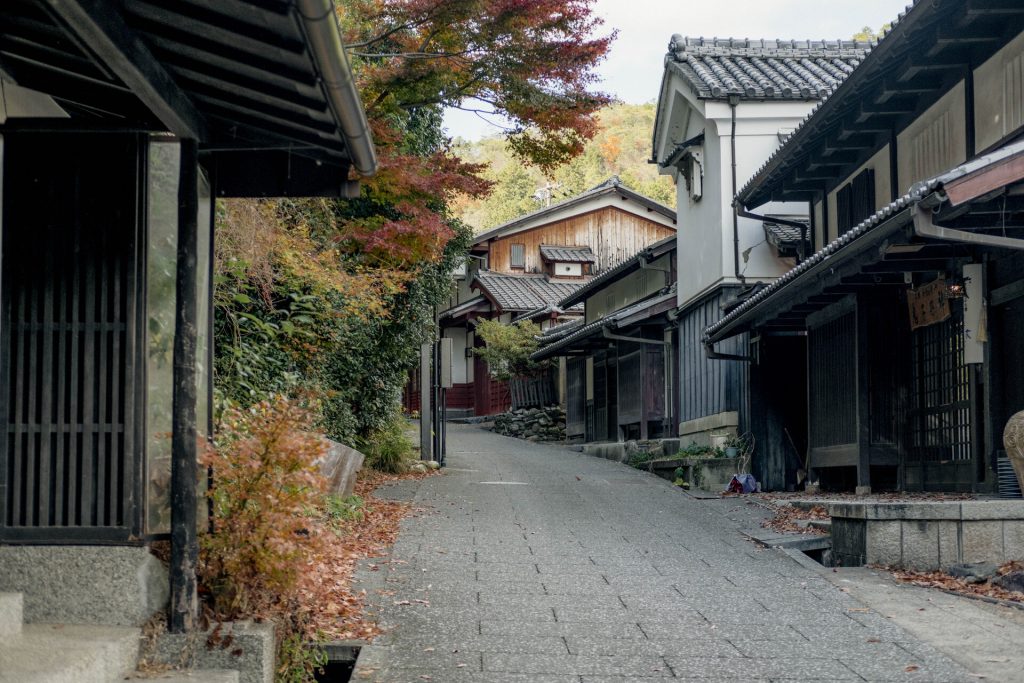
184 545
862 388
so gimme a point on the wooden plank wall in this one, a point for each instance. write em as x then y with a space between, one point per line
614 235
708 387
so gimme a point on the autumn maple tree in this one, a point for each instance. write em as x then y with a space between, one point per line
531 61
334 297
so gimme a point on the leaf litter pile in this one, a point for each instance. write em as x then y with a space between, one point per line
953 584
335 609
789 519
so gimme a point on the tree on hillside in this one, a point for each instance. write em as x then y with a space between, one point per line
621 146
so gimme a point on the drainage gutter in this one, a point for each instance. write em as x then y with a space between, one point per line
328 52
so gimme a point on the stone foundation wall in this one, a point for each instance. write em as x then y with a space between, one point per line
532 424
109 585
929 535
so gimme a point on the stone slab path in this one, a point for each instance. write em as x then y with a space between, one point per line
534 563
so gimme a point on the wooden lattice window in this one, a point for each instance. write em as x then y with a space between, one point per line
855 201
941 414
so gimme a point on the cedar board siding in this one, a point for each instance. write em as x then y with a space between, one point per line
612 234
709 387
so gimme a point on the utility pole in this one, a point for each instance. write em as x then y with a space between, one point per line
544 194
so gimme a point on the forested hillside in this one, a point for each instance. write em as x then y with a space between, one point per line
621 147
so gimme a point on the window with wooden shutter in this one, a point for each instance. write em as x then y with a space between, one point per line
855 201
517 256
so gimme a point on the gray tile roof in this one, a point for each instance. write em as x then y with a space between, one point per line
785 237
763 69
521 293
567 254
464 307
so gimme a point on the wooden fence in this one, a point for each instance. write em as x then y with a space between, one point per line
532 392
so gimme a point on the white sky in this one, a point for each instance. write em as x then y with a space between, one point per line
632 71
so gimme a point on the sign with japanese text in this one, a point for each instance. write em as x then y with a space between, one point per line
929 304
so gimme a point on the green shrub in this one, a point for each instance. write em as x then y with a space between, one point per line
339 509
694 450
388 449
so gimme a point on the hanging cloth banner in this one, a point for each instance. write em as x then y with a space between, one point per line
929 304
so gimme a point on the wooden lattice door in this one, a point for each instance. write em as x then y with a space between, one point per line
67 368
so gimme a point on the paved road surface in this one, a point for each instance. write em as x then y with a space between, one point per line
537 564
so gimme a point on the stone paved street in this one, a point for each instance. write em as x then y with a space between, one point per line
537 564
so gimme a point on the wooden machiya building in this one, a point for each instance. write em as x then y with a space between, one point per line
525 270
903 334
618 358
119 125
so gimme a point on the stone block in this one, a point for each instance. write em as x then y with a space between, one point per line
949 543
847 510
929 511
1013 539
244 646
982 541
992 509
340 465
108 585
920 545
884 543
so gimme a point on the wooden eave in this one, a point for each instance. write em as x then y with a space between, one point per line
925 55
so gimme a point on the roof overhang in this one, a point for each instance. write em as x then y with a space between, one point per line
593 335
976 206
923 55
263 85
652 252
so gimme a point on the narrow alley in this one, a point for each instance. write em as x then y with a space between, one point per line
536 563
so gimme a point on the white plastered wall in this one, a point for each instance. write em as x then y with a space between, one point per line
999 94
705 225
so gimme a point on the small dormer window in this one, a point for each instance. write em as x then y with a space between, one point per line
517 256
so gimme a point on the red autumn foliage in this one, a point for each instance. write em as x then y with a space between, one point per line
265 483
529 60
274 553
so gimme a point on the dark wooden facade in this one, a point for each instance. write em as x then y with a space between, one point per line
709 387
69 348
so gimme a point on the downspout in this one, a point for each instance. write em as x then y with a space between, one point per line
325 42
607 334
709 351
734 100
925 227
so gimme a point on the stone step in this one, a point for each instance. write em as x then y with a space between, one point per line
823 524
198 676
69 653
10 614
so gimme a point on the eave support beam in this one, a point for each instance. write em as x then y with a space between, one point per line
100 26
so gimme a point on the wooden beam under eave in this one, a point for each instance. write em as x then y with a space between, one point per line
100 26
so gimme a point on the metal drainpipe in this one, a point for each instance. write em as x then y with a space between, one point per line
734 100
329 54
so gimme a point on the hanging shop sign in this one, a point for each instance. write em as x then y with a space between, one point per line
929 304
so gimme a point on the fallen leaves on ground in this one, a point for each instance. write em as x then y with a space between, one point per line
787 520
943 581
336 610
